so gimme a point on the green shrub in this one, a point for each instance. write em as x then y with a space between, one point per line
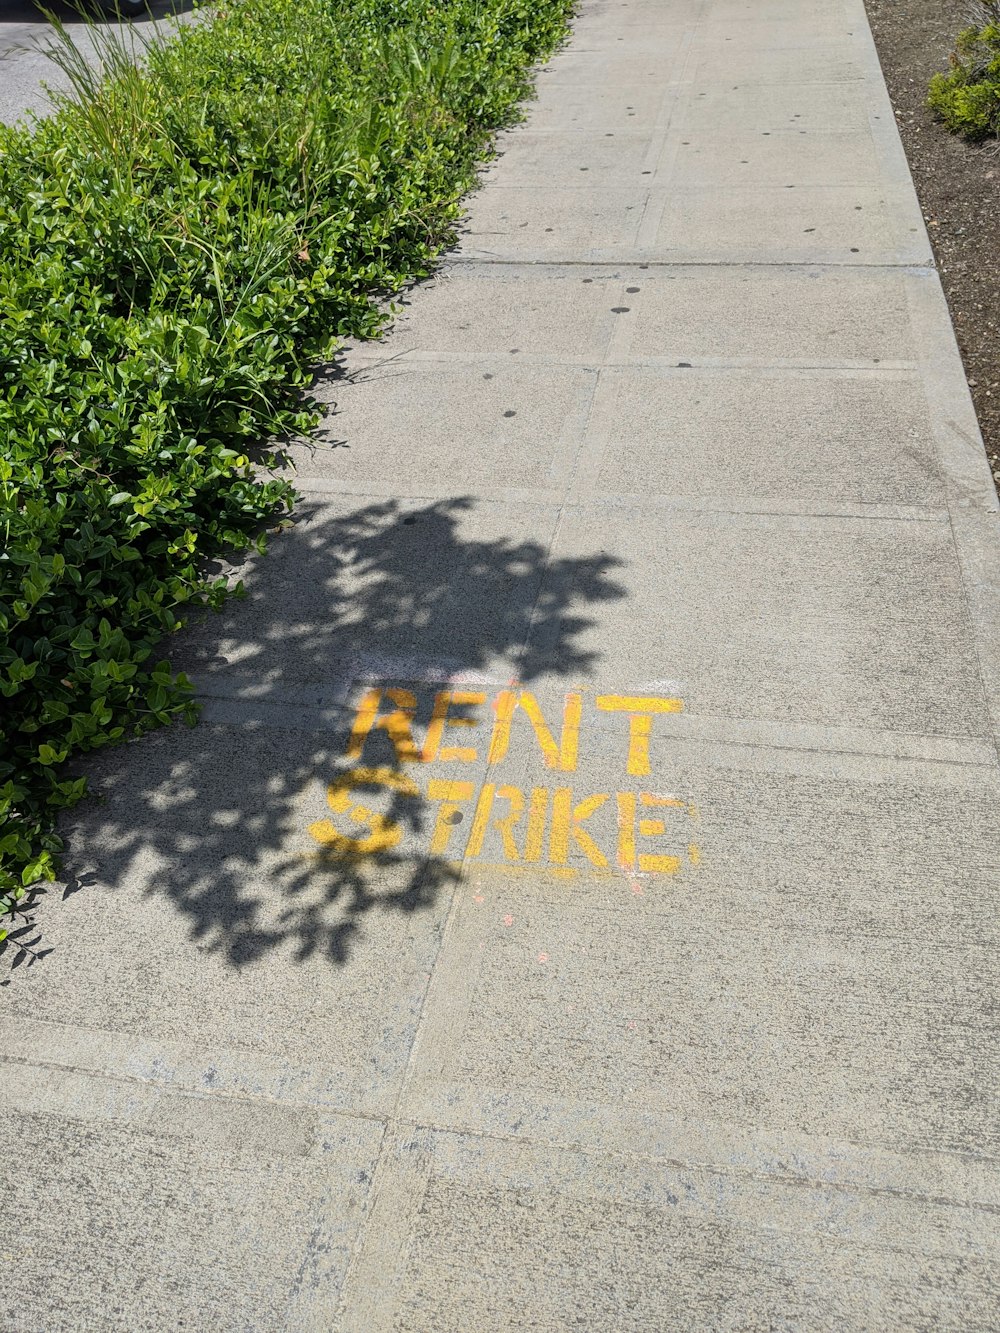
967 98
178 243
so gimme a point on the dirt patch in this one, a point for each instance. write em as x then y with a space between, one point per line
958 186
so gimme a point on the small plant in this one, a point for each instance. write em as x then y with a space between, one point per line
178 244
967 98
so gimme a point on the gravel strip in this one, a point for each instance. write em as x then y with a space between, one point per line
959 189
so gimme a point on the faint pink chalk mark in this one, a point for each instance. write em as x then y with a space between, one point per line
631 1025
508 920
543 958
478 898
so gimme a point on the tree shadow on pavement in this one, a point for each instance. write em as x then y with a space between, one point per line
216 819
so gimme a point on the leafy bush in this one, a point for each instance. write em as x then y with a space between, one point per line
177 244
967 98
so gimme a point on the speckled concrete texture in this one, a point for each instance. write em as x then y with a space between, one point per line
578 906
28 76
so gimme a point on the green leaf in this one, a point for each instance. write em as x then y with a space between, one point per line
48 755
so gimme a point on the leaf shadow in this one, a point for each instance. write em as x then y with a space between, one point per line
215 819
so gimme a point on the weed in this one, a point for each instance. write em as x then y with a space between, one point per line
967 98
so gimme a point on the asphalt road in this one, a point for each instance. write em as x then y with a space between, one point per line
24 66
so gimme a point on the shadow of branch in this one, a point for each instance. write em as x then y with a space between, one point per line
216 819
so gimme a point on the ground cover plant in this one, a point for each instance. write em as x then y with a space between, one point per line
967 97
178 244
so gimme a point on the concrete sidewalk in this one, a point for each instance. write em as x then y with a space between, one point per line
26 71
578 909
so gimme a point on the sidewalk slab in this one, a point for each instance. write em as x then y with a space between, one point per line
219 1207
782 110
806 316
734 1251
716 433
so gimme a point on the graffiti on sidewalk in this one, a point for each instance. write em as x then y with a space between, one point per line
460 767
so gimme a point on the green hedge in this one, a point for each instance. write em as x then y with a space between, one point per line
178 244
967 98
